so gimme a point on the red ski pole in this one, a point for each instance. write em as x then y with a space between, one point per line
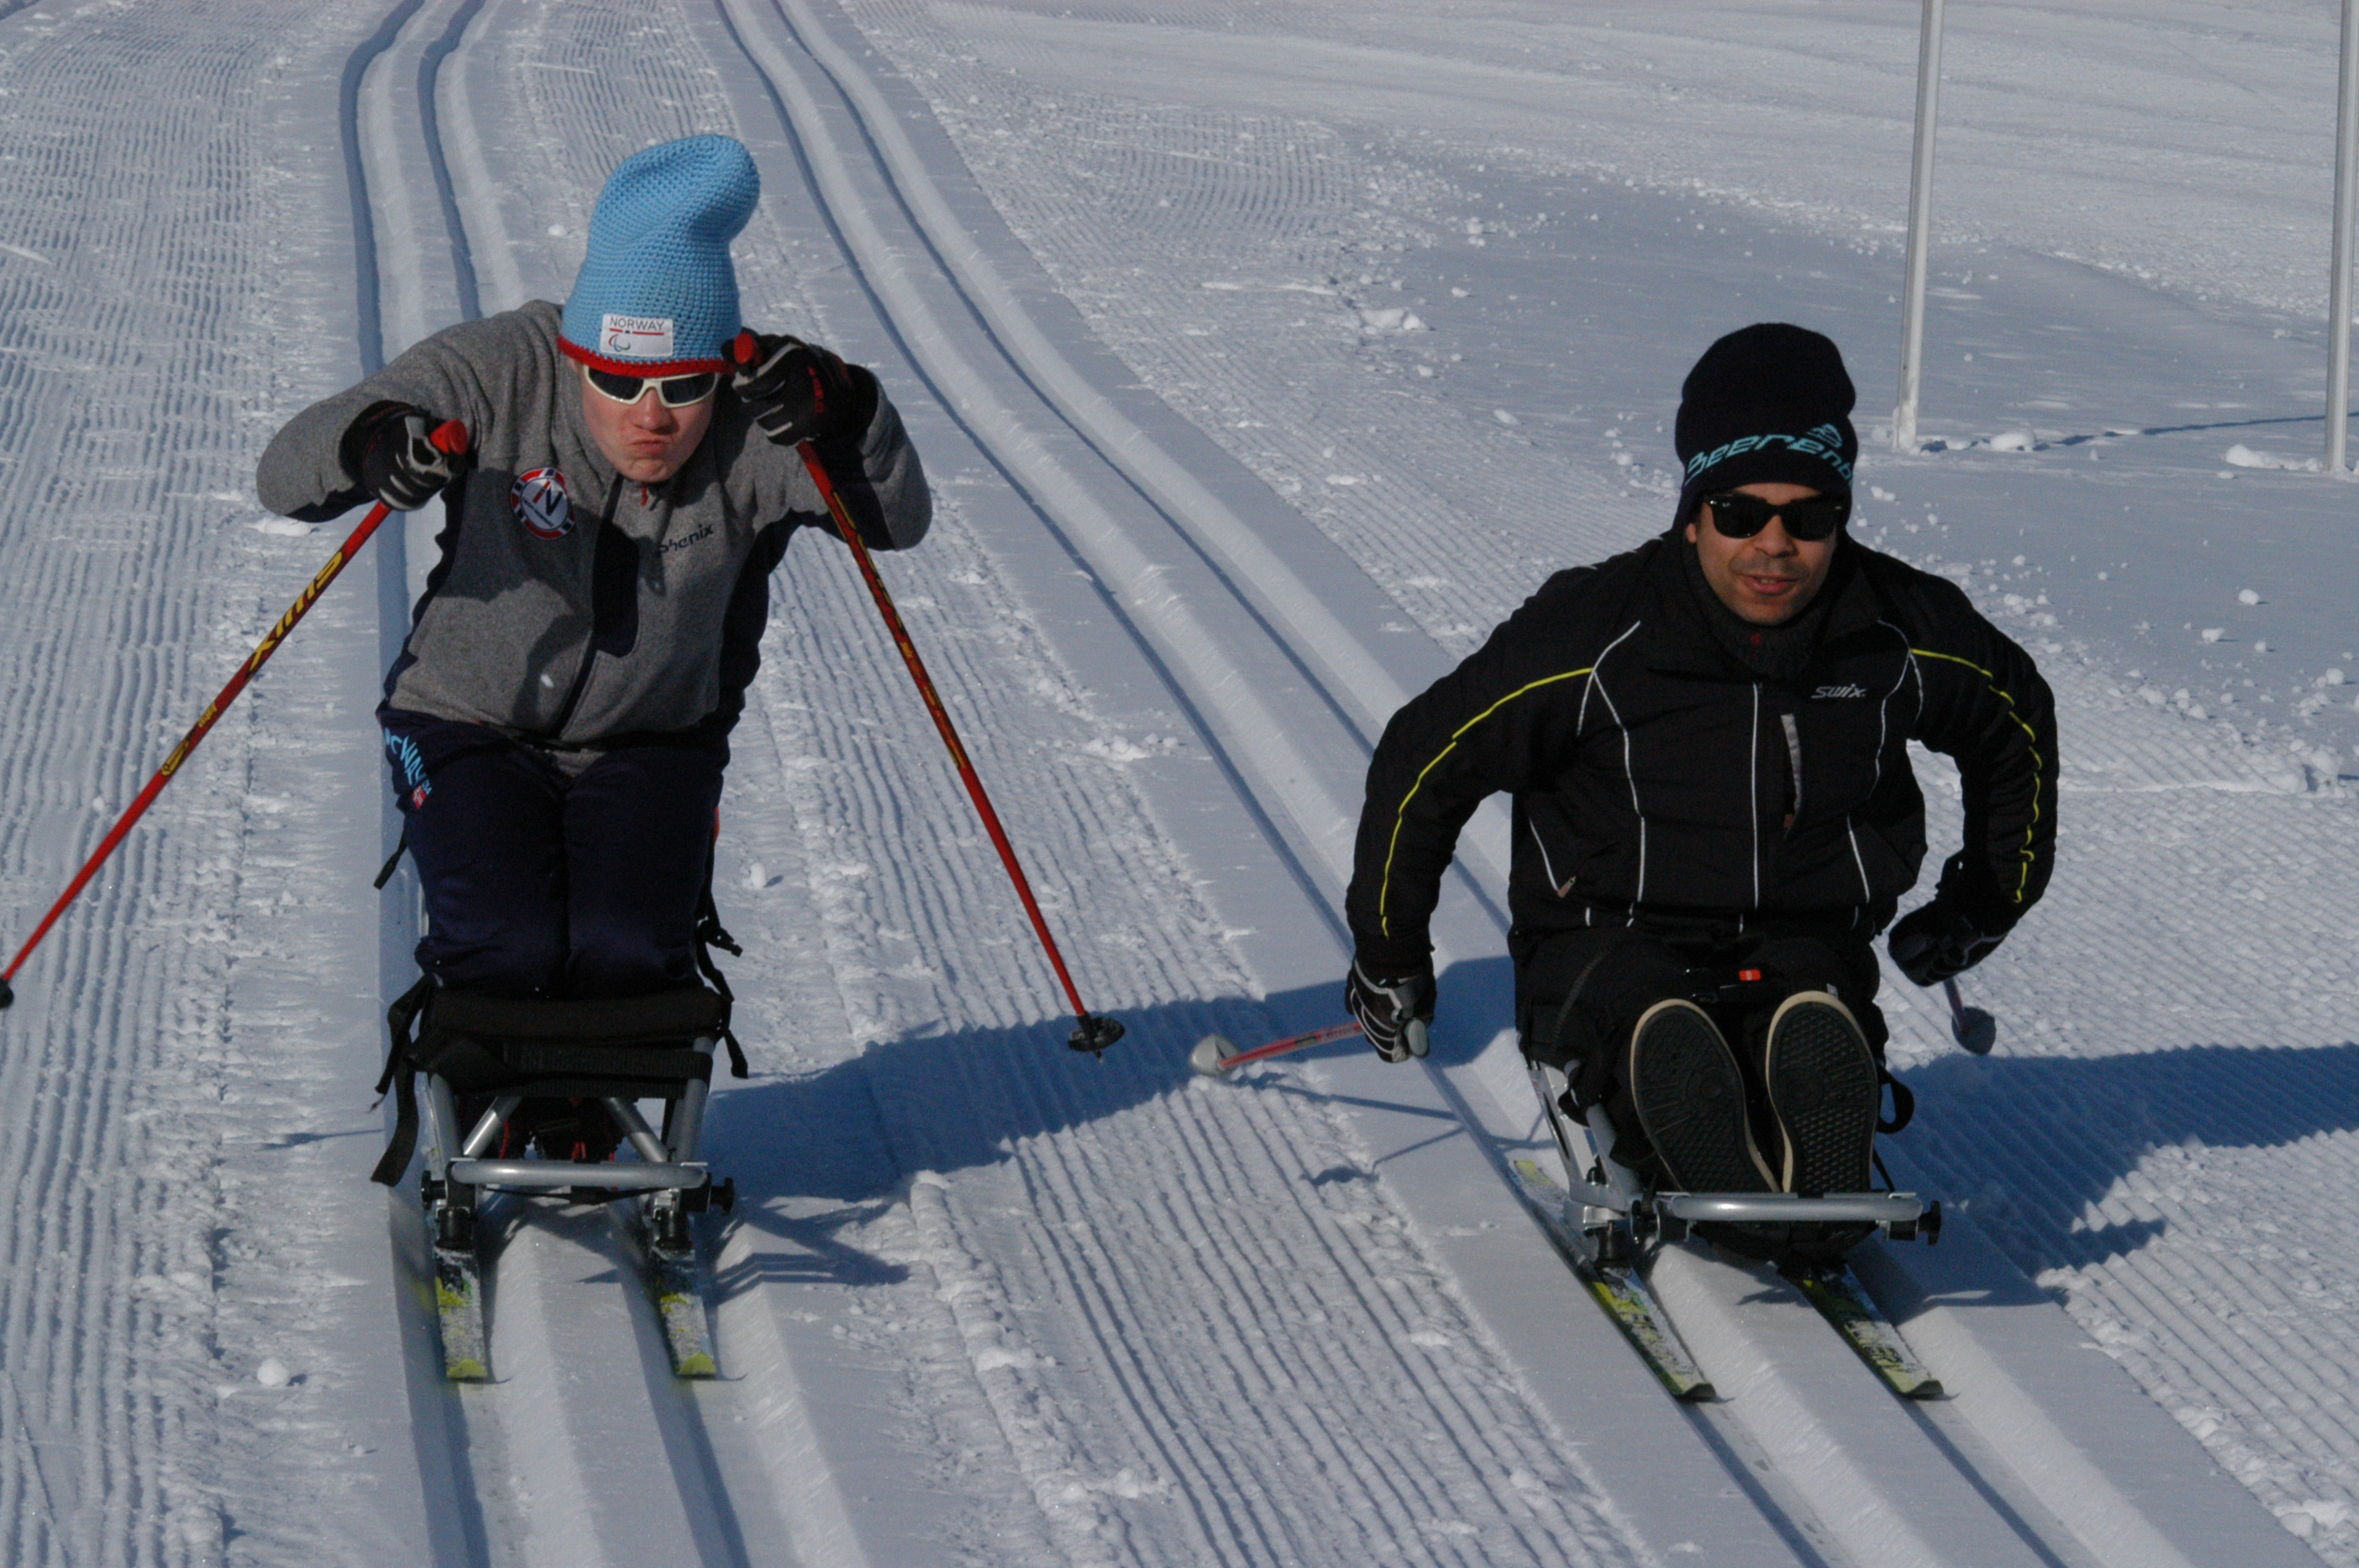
1091 1033
1216 1056
451 438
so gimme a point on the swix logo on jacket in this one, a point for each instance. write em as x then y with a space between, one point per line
1824 692
540 503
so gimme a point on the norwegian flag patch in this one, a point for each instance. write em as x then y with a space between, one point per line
540 503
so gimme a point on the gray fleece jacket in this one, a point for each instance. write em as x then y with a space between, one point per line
571 607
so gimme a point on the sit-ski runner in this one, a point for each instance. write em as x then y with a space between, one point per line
558 721
1706 739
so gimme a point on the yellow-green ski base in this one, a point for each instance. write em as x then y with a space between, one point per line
1836 1292
1622 1291
679 1303
459 1313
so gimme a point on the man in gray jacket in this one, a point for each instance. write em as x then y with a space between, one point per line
558 719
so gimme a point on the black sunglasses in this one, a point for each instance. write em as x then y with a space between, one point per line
677 391
1740 516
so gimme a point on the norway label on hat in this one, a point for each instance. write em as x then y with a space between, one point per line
541 504
636 337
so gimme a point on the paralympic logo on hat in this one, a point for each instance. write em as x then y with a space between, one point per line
541 503
636 337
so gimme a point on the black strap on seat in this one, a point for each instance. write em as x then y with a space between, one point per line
710 935
394 860
402 1078
1903 1102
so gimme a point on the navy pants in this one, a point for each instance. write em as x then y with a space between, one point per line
544 884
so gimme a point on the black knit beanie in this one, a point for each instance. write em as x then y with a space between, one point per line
1766 401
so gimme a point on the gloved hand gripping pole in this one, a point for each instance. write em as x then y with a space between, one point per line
451 438
1092 1033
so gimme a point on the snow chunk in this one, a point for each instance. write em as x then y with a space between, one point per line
1122 748
283 529
2213 634
1503 418
1881 494
1390 319
997 1358
272 1373
2246 596
2244 457
2014 441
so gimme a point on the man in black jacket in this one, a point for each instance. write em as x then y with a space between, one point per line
1706 741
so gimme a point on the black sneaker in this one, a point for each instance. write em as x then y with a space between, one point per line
1689 1097
1822 1090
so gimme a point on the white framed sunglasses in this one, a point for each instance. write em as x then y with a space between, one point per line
676 391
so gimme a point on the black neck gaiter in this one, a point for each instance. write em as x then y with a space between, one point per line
1776 654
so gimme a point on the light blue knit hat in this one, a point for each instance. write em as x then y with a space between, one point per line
657 295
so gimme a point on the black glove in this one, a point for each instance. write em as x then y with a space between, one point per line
1961 928
404 456
797 392
1394 1012
1937 942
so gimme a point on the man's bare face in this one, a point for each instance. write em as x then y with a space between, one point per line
1768 579
645 441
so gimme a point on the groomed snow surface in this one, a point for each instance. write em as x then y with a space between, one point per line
1263 355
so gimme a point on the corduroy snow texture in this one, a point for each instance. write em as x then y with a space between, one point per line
657 295
1769 402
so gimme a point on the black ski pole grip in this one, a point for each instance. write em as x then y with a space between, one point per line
7 997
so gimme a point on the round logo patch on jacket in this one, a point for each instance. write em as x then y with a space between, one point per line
541 504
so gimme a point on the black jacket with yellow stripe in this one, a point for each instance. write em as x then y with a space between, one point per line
1658 782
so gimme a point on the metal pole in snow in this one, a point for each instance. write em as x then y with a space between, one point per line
1921 224
2346 210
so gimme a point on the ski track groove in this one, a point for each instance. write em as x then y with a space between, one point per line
129 589
1142 1407
2143 748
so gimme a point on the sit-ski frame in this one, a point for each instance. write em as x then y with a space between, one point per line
677 1183
1622 1217
670 1180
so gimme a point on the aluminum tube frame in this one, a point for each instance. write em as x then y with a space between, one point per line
1622 1195
2346 213
1920 229
484 1130
557 1175
634 1128
1775 1208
